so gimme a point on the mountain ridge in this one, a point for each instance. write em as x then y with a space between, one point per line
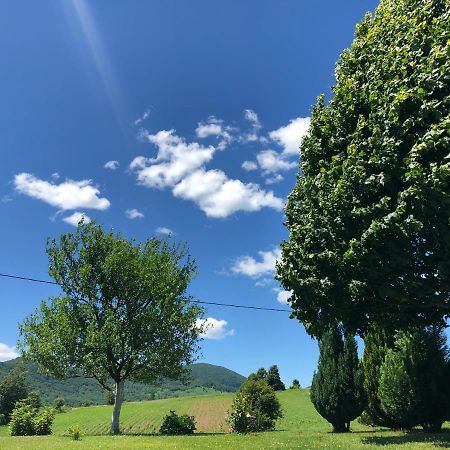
204 378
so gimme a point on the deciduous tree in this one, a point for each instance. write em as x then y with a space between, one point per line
368 219
123 314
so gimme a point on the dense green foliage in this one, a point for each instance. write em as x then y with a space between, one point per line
203 379
124 313
301 427
75 432
273 379
295 384
174 424
13 387
337 388
375 347
368 219
28 420
255 407
414 386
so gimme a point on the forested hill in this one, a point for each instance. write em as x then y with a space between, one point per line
204 378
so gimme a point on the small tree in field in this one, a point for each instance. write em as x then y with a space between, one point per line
337 387
13 387
123 314
273 379
255 407
295 384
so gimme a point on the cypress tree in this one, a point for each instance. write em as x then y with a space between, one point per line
375 348
414 379
274 380
337 387
261 374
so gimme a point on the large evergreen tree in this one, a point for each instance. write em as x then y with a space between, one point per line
414 385
337 387
375 347
368 219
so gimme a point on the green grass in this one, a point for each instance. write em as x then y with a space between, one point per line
301 427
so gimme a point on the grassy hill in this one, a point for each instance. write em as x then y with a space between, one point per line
204 378
301 427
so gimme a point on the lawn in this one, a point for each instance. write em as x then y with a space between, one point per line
301 427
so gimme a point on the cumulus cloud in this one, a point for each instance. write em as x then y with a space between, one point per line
7 352
275 179
75 218
214 328
111 165
165 231
134 214
175 160
290 136
271 161
69 194
179 165
215 127
282 295
218 196
249 165
249 266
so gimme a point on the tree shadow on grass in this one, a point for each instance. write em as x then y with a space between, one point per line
130 433
441 440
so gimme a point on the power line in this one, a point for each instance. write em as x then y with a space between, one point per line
228 305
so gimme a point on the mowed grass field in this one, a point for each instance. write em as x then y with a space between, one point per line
301 427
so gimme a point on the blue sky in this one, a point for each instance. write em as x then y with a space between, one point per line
166 115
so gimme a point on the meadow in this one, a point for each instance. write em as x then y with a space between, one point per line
301 427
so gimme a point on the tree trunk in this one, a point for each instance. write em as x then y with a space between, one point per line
339 427
118 400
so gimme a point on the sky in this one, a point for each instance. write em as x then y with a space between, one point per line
166 117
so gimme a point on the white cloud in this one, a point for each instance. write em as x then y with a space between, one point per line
174 161
252 117
179 165
69 194
271 162
134 214
214 328
144 116
249 165
111 165
282 295
7 352
219 196
275 179
164 230
56 176
75 218
249 266
214 127
290 136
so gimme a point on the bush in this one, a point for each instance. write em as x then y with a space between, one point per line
2 419
29 421
58 404
75 432
109 397
174 424
255 407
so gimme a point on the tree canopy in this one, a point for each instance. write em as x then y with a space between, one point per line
368 218
123 314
